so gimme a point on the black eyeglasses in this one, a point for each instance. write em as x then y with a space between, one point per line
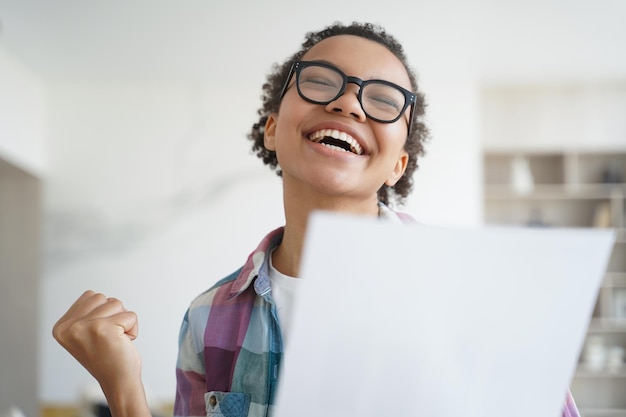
321 83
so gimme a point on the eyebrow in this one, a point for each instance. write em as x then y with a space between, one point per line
332 64
323 61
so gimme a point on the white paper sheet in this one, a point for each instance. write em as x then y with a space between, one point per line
408 320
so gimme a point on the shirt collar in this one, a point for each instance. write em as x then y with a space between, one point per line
257 265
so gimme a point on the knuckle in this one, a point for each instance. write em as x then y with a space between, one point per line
74 331
115 302
99 297
56 331
60 331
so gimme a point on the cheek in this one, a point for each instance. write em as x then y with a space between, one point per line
293 116
393 137
289 114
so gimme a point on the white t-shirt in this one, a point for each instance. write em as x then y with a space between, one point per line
284 291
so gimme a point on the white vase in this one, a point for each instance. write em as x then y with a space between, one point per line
522 179
595 354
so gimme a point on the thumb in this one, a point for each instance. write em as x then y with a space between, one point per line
128 324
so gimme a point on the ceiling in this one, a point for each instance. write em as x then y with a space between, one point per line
118 39
139 39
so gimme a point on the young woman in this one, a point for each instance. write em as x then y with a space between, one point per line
341 122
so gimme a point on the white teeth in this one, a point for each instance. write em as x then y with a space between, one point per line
337 148
336 134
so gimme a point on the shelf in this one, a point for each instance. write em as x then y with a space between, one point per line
572 189
549 212
602 412
607 325
615 279
557 192
581 372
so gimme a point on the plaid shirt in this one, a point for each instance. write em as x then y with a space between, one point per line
230 343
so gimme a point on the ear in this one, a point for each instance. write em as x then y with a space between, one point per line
398 169
269 133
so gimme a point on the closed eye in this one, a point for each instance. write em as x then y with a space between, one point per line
382 101
317 81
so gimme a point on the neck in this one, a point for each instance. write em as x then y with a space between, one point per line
298 206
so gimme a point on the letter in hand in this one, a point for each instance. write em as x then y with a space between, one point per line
98 331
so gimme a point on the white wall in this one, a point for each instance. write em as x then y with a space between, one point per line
584 116
22 115
447 186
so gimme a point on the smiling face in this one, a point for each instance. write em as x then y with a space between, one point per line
309 139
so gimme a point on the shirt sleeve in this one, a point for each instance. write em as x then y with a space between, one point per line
190 374
570 409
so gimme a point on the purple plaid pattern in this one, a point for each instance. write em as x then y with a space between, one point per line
230 340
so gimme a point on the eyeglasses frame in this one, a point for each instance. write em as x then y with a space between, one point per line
409 97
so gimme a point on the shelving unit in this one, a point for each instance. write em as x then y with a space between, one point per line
573 189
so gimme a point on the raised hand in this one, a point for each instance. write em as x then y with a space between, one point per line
98 331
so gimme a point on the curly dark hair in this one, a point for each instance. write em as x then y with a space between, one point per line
276 78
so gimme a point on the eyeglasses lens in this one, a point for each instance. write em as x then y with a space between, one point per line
322 85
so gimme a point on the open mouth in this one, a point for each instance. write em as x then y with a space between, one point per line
337 140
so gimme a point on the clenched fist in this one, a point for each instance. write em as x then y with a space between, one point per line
98 331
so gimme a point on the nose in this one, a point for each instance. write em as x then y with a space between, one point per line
348 104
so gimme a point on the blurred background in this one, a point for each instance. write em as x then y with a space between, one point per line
125 168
